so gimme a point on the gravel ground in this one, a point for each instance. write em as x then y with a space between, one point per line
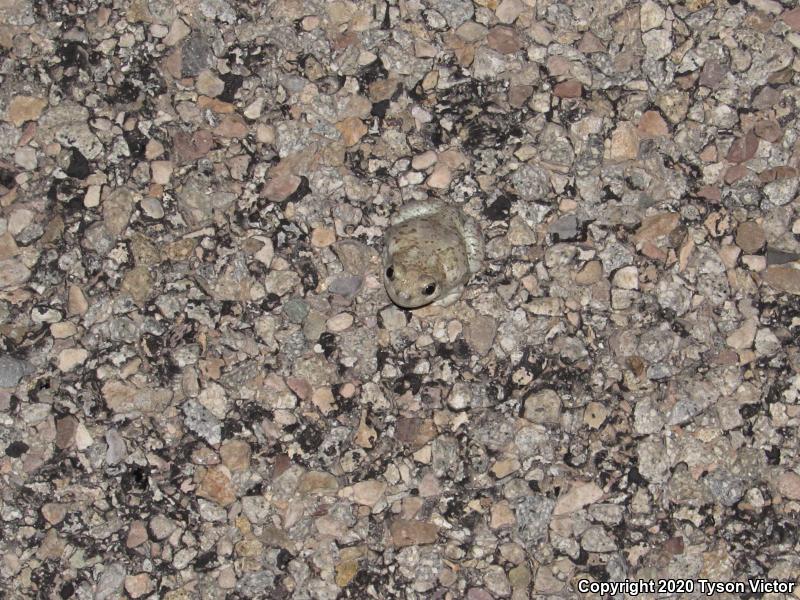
206 392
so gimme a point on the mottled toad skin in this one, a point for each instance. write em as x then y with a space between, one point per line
430 252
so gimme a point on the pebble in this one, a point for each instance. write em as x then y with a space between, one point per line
368 493
296 310
783 278
209 84
460 397
652 125
568 89
217 487
543 407
520 233
651 15
279 189
322 237
743 337
743 148
406 532
591 273
70 358
624 143
508 11
627 278
235 455
340 322
580 494
152 208
162 172
137 534
440 178
503 39
789 485
424 161
25 157
352 130
24 108
139 585
12 370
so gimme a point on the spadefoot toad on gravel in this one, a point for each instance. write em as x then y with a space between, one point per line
430 252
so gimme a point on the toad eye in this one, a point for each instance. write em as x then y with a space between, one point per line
429 289
390 273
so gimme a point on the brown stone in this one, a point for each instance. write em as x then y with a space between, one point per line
590 273
369 492
407 532
792 18
65 432
52 546
138 282
189 148
580 494
383 89
235 454
783 278
789 485
710 193
479 333
137 534
300 387
769 130
352 130
744 148
742 338
652 124
568 89
322 237
209 84
345 571
440 178
317 482
750 237
712 74
735 173
278 189
8 247
709 153
139 585
24 108
502 516
780 172
657 225
518 95
503 39
766 98
218 106
674 545
624 143
217 487
232 126
117 208
323 399
54 512
471 32
591 43
414 431
507 11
